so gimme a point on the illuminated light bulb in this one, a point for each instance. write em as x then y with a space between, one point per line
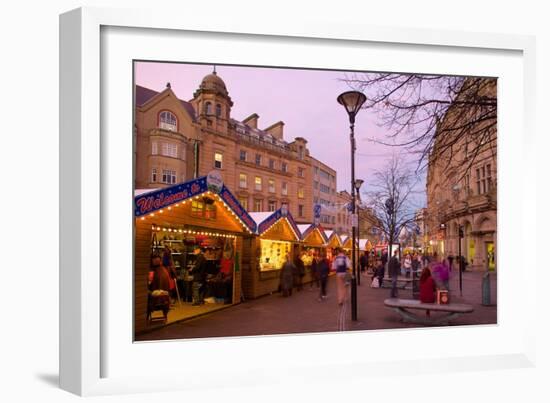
152 215
158 228
160 211
169 208
142 218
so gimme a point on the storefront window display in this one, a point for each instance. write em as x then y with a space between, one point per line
273 254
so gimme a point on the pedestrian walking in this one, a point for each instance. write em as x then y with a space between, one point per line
364 261
415 265
440 272
322 271
314 272
299 272
341 265
287 276
407 265
393 270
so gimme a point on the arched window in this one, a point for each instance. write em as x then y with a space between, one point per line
168 121
208 108
218 110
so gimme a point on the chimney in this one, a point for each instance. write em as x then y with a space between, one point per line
276 130
252 121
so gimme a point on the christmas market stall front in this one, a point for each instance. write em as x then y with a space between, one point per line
264 253
333 241
193 225
314 243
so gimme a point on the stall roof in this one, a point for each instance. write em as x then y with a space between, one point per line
147 201
306 229
265 219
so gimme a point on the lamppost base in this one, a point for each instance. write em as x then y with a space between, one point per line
353 299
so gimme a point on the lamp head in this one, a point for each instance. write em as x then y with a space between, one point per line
352 101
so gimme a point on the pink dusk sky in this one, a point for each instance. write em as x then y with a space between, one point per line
305 100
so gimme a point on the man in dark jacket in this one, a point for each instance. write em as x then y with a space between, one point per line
199 277
394 267
322 271
364 261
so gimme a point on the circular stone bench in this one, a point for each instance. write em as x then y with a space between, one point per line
404 306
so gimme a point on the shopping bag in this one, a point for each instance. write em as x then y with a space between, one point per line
375 283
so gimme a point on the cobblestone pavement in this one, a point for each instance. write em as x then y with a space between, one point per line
304 313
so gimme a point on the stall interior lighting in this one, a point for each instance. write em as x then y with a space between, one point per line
192 232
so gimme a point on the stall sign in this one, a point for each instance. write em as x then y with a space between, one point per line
239 210
214 181
156 200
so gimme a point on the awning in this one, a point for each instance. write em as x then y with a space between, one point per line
311 231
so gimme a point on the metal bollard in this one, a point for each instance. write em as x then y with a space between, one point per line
486 289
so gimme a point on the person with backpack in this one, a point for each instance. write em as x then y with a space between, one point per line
341 265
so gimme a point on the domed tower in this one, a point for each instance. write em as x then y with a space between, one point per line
213 103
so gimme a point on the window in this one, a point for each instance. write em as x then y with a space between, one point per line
244 202
154 148
154 175
300 192
284 167
218 110
258 159
325 188
325 174
257 205
258 184
170 150
301 152
315 185
483 179
210 211
300 210
284 189
218 160
272 205
168 121
301 172
243 179
271 186
208 108
242 155
271 164
168 176
197 207
203 209
316 170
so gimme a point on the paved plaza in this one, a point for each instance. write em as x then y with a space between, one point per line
304 313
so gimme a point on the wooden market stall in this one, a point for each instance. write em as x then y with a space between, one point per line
176 222
333 241
314 242
264 253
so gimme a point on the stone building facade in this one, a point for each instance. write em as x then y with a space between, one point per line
324 192
462 191
176 140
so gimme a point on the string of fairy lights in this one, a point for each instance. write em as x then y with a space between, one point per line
191 232
191 199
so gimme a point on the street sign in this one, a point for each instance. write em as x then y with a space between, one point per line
317 211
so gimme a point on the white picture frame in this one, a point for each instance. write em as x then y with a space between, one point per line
90 358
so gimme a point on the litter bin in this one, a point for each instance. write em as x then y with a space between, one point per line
486 289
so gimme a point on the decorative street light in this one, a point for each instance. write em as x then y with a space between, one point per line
358 183
352 101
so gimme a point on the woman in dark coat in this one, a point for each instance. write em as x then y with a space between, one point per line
287 276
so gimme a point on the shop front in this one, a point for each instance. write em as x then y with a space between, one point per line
196 222
314 243
265 253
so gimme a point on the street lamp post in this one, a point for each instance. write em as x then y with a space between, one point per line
460 262
352 101
358 183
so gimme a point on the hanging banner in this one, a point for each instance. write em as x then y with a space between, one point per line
158 199
239 210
